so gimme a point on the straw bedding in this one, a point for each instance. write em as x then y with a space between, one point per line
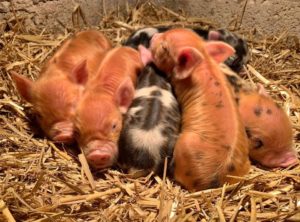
43 181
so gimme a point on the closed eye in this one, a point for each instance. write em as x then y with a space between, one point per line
258 144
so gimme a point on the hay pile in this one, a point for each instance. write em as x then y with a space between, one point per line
42 181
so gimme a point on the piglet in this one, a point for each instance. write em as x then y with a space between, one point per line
55 93
241 55
212 144
268 128
267 125
235 62
151 125
107 96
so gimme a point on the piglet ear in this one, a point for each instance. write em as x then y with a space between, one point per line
23 84
186 61
79 74
145 54
125 95
214 35
261 90
220 51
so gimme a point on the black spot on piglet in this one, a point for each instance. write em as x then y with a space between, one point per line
248 132
215 182
231 168
188 173
258 111
197 183
156 93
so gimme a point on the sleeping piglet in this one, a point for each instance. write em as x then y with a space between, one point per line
268 128
236 61
267 125
107 96
213 143
55 93
151 125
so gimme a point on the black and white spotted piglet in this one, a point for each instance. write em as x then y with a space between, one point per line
235 62
151 125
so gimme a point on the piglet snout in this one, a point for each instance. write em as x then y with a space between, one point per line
62 132
288 160
281 160
101 154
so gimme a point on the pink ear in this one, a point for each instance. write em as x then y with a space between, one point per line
125 95
145 55
261 90
24 85
220 51
187 59
213 35
79 74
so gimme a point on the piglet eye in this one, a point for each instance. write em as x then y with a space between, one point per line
258 144
114 126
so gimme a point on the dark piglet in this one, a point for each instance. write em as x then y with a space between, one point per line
151 125
235 62
143 36
241 55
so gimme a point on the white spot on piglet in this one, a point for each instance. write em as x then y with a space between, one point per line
166 98
149 31
133 110
150 140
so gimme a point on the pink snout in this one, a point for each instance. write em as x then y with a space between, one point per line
101 154
280 160
62 132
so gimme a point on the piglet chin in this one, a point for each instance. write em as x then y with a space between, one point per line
101 154
281 160
62 132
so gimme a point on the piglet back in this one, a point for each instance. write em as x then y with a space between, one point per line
151 125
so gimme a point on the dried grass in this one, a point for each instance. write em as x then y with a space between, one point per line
43 181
